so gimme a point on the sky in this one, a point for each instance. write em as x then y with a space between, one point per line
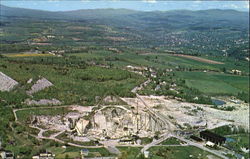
142 5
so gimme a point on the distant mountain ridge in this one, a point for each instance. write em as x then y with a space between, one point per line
99 13
213 18
225 29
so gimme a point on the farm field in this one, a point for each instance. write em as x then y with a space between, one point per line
26 55
162 60
200 59
215 83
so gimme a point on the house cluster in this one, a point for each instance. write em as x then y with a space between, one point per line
236 72
44 155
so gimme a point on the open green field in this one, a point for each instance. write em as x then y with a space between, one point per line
72 152
149 60
171 141
215 83
179 152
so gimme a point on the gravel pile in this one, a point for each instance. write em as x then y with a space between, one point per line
43 102
6 83
39 85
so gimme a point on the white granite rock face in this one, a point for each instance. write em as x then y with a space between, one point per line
39 85
6 83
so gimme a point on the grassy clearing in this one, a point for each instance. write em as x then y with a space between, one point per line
171 141
24 115
184 152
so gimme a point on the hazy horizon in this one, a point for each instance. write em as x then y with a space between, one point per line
145 5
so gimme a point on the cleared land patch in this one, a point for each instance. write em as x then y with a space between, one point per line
198 59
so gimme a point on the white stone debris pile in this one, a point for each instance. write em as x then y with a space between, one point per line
39 85
43 102
6 83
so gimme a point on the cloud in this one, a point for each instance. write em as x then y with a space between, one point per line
149 1
239 6
85 0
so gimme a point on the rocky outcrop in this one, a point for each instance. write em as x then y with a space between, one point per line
39 85
6 83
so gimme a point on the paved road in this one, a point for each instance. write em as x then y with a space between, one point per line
156 142
201 146
137 88
53 137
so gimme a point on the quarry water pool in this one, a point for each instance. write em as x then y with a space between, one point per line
218 102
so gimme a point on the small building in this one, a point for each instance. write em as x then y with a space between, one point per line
237 72
210 144
210 136
126 141
7 155
146 154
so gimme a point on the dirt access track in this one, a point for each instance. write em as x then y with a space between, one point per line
198 59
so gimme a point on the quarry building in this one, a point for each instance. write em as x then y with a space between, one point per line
210 136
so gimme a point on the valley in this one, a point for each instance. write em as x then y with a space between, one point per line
134 85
